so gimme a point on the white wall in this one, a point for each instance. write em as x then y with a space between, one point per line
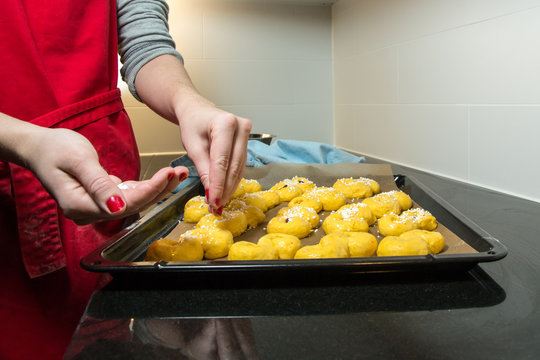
451 87
269 62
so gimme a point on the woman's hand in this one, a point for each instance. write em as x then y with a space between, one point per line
216 142
67 165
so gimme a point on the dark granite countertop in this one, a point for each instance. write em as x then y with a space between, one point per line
491 311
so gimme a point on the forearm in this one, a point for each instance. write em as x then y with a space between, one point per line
164 85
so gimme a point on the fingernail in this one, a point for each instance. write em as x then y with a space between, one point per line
170 176
219 211
183 177
216 203
115 203
207 196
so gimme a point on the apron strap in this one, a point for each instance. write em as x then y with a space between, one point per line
37 212
75 115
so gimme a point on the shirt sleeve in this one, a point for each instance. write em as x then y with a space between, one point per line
143 34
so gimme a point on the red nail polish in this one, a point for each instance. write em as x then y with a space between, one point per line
219 211
170 176
216 203
183 177
207 196
115 203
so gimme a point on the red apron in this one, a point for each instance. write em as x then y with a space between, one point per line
58 68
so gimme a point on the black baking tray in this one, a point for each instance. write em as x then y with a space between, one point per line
124 254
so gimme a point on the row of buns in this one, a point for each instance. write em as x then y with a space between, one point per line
352 208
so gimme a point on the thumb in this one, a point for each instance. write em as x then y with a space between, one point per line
103 188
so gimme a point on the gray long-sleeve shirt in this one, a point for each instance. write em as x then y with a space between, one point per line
143 34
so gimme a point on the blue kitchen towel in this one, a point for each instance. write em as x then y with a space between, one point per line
295 151
290 151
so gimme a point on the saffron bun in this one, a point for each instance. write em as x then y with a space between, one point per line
286 245
350 217
399 246
215 242
361 244
339 243
434 239
359 210
330 198
304 183
395 225
394 201
195 209
246 186
255 199
357 188
245 250
423 218
271 198
328 247
305 213
405 201
175 250
250 185
287 190
317 252
382 204
307 201
239 191
233 220
296 226
235 205
340 221
254 215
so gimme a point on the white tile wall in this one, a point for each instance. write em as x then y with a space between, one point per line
374 24
505 148
369 78
245 82
453 87
154 134
492 62
283 120
267 31
349 133
467 70
186 28
410 134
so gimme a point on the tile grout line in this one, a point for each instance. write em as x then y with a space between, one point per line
469 142
398 78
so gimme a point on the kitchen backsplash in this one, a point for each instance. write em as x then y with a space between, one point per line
450 87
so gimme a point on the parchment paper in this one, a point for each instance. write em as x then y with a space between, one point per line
326 175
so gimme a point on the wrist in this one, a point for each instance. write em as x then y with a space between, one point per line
186 99
16 139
